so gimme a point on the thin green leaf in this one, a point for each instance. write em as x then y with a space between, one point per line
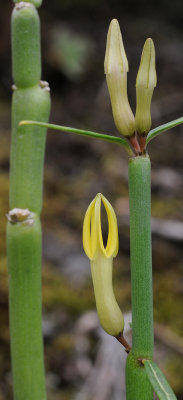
158 381
108 138
162 128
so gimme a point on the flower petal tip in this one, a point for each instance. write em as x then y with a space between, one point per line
92 230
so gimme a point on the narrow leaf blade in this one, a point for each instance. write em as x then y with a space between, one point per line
158 381
163 128
95 135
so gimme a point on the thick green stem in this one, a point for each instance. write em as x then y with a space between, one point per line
141 256
141 277
24 261
28 148
26 55
138 386
31 99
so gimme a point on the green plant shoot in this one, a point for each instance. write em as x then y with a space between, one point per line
142 376
31 99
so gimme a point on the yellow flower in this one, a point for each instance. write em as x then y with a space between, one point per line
101 258
116 68
92 232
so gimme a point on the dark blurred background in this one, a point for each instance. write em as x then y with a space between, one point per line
82 362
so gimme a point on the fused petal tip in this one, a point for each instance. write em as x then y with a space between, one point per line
92 231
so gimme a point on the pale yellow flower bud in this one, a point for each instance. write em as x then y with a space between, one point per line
145 84
116 68
101 257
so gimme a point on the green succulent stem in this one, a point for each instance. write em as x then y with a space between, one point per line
24 268
28 148
31 99
26 55
138 386
141 277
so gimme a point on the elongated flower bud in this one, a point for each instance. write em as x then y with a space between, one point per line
145 84
101 257
116 68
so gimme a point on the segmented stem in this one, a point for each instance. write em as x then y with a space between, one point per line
31 99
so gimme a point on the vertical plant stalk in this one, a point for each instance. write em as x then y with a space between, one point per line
24 259
28 148
31 99
137 384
